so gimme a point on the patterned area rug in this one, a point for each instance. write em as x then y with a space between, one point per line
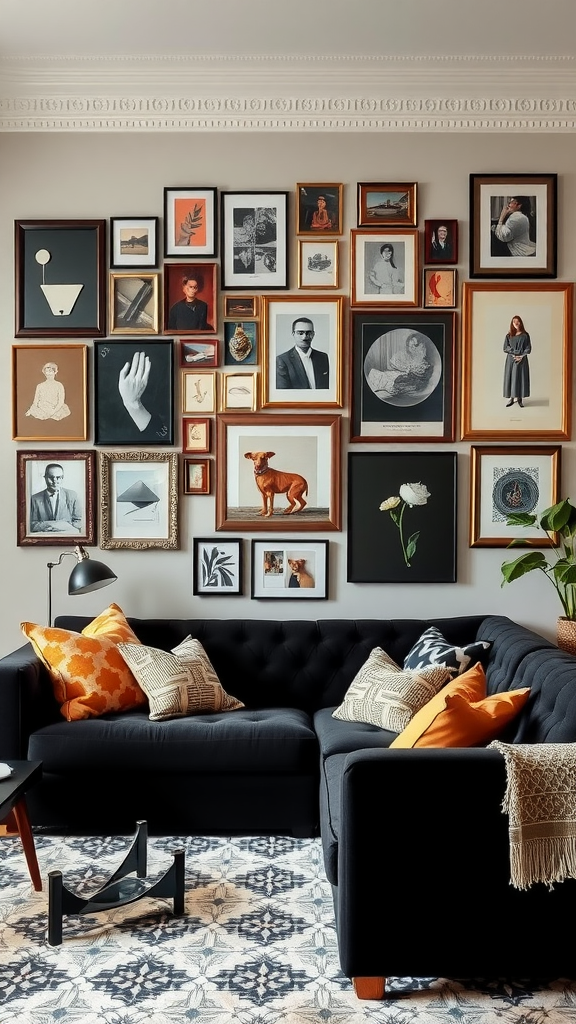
257 945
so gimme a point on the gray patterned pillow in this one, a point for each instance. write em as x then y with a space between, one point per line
433 649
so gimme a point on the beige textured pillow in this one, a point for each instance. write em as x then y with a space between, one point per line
179 682
385 695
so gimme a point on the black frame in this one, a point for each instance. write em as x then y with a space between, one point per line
112 424
254 281
218 544
133 260
296 588
174 251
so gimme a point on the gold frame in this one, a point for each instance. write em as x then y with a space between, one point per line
317 187
191 379
252 314
24 390
438 304
251 404
153 301
359 296
106 463
334 278
519 535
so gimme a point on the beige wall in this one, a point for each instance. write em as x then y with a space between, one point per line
48 175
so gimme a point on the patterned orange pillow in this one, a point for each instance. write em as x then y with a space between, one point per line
88 673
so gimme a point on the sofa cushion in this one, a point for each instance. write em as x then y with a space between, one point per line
432 648
336 736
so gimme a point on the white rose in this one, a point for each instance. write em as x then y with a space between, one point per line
414 494
389 503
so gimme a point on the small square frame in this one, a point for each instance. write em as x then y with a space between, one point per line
311 219
126 479
196 434
273 578
133 303
509 479
318 265
402 283
133 242
440 288
196 475
386 204
79 476
239 392
218 569
198 391
190 222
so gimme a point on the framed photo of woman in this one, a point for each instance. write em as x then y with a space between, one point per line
513 225
384 267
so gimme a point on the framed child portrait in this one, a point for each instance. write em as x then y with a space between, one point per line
384 267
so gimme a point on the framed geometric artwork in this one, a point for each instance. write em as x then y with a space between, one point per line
319 209
513 225
133 242
133 303
386 203
189 222
510 479
286 569
49 392
139 500
56 497
254 240
217 567
134 392
384 267
311 325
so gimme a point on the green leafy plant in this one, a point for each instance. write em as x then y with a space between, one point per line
559 519
216 568
409 496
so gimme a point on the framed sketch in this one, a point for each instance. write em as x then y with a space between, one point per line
196 475
239 307
318 263
190 305
516 361
254 240
400 531
217 567
278 473
391 204
510 479
56 497
288 570
134 392
139 500
189 222
384 267
319 209
513 225
133 242
441 241
239 391
301 347
196 434
199 353
60 278
198 391
440 288
402 376
240 342
49 392
134 303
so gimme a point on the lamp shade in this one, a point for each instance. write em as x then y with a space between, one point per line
89 575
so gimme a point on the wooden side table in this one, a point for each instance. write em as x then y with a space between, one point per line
14 813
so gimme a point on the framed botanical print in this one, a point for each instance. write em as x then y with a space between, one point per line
240 342
199 353
49 392
198 391
318 263
391 204
254 240
218 567
288 570
384 267
239 391
133 242
56 497
319 209
302 351
196 475
189 222
190 305
196 434
139 500
440 288
511 479
441 241
134 392
513 225
134 303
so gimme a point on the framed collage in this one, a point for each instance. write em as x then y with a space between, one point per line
289 570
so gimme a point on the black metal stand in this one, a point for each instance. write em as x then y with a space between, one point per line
119 889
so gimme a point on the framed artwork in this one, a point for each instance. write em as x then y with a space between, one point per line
510 479
278 473
133 242
217 567
196 434
402 376
240 342
399 531
60 278
139 500
384 267
441 241
513 225
199 353
391 204
198 391
289 570
49 392
254 240
196 476
237 307
516 361
319 209
318 263
134 392
297 329
239 391
190 305
134 303
189 222
56 497
440 288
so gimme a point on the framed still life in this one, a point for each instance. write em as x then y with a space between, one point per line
509 479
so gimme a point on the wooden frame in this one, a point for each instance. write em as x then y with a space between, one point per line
376 278
283 377
546 312
153 421
60 278
525 246
400 392
308 446
134 242
239 391
49 392
133 303
289 570
319 209
440 288
441 241
241 307
318 264
386 204
392 539
180 315
511 479
196 475
198 391
196 434
240 342
78 525
218 569
199 353
139 500
190 222
254 240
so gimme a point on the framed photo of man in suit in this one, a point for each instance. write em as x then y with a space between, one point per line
302 352
56 497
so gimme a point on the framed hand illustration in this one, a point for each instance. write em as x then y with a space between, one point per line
134 392
510 479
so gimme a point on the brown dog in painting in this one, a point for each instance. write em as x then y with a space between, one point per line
274 481
303 577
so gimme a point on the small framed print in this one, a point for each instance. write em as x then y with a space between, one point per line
199 353
139 500
391 204
133 242
510 479
239 307
196 434
190 305
384 267
310 325
319 209
239 391
198 391
134 303
318 263
513 225
289 570
440 288
134 392
254 240
441 241
217 567
189 222
240 343
56 497
196 476
49 392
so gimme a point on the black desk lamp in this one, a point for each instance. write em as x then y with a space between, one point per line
86 575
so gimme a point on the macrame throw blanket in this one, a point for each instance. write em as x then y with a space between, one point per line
540 800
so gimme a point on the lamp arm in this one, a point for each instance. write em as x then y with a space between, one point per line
79 554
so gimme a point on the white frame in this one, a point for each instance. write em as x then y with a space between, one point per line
365 248
273 586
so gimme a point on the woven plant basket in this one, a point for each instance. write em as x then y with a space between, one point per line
566 634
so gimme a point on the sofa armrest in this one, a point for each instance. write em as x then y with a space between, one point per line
26 700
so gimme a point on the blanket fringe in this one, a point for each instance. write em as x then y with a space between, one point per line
542 860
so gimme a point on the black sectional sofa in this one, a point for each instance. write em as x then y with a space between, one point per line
415 841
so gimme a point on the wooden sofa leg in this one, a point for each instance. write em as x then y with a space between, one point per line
369 988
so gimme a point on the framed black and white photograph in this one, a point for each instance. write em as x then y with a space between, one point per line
402 517
196 475
218 570
384 267
190 222
134 392
288 570
511 479
133 242
318 263
513 229
319 209
302 351
240 342
254 240
133 303
139 500
56 497
49 392
386 203
402 376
